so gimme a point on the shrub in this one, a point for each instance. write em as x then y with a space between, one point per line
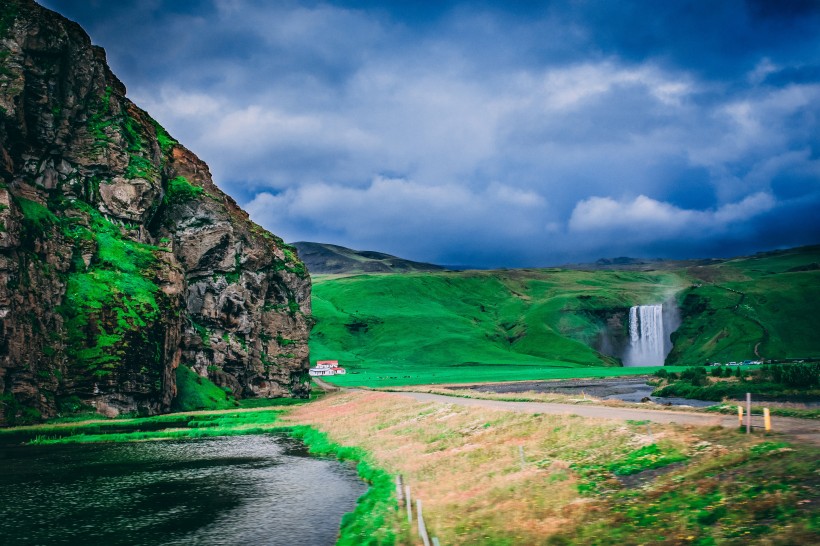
801 374
695 376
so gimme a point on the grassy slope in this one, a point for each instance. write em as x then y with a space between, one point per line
524 324
750 303
583 481
473 324
198 393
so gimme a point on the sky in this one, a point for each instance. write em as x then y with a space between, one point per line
491 134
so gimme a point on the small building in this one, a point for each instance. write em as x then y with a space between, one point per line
327 367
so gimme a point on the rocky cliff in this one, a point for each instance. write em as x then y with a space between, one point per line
119 258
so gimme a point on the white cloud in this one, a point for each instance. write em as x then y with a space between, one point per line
349 127
655 220
573 86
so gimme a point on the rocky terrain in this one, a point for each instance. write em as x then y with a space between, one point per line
119 258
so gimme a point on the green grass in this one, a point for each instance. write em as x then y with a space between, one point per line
373 520
743 495
645 458
765 302
180 190
113 306
195 393
457 327
543 318
421 375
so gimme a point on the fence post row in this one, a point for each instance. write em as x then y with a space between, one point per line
422 526
408 504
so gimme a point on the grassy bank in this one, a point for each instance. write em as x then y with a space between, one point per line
583 481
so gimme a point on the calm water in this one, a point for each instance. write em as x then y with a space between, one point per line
244 490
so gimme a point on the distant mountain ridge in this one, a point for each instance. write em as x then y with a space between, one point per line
323 258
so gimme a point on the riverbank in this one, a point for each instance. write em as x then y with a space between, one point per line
373 521
492 476
581 480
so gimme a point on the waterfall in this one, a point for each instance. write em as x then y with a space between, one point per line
646 336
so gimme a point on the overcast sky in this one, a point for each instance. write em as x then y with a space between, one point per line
483 134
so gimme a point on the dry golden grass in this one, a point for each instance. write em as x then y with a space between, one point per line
464 463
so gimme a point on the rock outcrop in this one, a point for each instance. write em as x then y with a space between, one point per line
119 257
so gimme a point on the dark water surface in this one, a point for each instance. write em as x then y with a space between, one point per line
245 490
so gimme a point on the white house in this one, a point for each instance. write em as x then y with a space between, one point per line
327 367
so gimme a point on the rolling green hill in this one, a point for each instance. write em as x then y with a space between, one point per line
470 321
764 306
488 325
323 258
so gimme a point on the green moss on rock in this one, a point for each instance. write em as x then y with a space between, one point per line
180 190
195 392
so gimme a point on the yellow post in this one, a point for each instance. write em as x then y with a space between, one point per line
740 416
767 419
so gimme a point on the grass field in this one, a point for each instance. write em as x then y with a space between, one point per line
420 375
471 326
499 477
581 481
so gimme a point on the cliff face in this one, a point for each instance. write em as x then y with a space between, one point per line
119 257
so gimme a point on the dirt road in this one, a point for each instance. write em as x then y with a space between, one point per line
805 430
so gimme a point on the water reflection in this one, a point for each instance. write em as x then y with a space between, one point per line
230 490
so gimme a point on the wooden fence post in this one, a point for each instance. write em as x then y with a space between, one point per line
748 413
422 527
409 504
399 490
767 419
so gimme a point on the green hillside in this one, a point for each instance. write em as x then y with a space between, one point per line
469 320
523 324
763 306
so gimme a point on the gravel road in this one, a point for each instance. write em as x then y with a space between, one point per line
805 430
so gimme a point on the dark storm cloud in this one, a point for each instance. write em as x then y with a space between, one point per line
491 133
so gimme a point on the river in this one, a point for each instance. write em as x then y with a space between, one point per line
262 489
